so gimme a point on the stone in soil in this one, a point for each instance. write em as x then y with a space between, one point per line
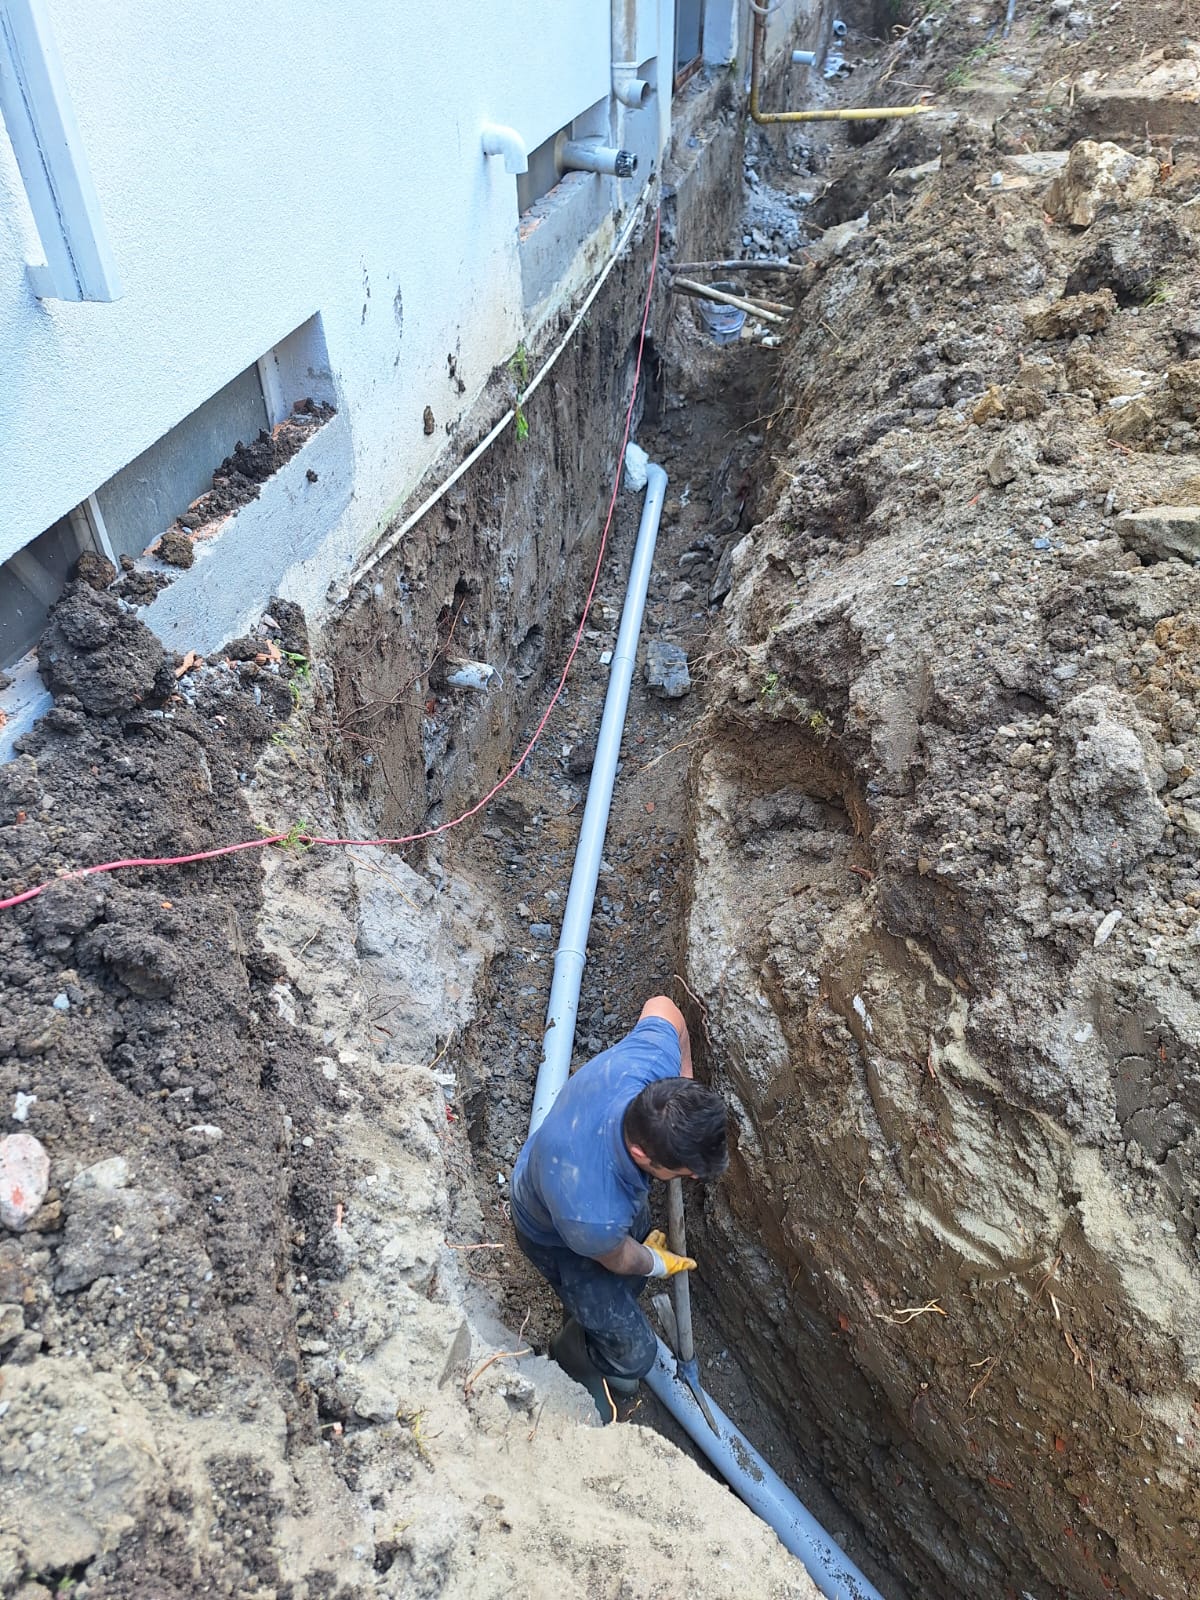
666 670
1161 531
24 1179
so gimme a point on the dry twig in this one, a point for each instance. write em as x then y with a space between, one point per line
988 1364
609 1398
496 1355
908 1314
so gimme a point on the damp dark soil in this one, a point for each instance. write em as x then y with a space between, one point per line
139 1040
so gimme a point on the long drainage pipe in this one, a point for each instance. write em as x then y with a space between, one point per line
738 1462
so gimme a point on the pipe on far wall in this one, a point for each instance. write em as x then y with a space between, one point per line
629 89
758 47
580 155
498 140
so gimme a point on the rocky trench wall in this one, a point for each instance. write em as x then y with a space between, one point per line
944 897
495 573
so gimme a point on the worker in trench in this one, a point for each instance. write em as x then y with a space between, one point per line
581 1184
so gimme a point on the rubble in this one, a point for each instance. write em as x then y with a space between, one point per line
1097 175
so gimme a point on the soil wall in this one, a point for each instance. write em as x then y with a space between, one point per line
945 889
494 574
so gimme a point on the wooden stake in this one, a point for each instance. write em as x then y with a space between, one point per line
687 286
737 266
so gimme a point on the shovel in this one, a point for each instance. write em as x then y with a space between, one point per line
685 1354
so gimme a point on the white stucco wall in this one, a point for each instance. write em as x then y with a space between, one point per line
259 164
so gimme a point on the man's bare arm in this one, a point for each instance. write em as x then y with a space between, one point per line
650 1260
630 1259
661 1006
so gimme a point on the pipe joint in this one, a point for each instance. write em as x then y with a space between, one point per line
578 155
629 89
470 674
497 140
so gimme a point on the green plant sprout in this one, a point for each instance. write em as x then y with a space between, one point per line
518 366
298 837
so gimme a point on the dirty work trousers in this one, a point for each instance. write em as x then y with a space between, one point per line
619 1340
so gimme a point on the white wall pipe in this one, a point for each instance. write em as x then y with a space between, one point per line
497 140
629 89
804 58
582 155
563 1007
739 1463
753 1481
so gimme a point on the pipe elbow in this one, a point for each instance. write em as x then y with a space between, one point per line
497 140
629 89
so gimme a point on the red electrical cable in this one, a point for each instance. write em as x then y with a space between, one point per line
442 827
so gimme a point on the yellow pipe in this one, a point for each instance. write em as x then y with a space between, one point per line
859 114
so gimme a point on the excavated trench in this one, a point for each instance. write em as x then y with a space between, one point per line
947 1290
916 852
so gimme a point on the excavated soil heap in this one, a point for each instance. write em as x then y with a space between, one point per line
945 897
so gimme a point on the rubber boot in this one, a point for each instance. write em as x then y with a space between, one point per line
569 1350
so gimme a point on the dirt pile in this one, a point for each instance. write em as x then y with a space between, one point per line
947 887
242 1349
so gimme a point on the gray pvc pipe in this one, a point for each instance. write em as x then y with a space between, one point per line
563 1008
753 1481
738 1462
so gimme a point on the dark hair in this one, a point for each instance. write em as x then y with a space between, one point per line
680 1123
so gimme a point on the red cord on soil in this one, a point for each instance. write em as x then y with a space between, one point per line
443 827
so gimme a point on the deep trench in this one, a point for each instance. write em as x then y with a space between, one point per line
703 420
636 938
700 412
501 578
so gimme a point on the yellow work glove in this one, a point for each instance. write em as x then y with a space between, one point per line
666 1265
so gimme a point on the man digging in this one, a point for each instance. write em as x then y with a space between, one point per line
580 1186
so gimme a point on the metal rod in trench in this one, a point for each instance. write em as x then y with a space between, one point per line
686 1353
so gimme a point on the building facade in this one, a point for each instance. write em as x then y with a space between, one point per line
214 220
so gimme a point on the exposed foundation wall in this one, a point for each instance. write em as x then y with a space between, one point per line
496 573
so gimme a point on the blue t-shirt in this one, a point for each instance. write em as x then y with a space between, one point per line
575 1184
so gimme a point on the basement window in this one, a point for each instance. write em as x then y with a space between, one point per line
145 497
32 580
689 39
253 424
543 174
559 209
